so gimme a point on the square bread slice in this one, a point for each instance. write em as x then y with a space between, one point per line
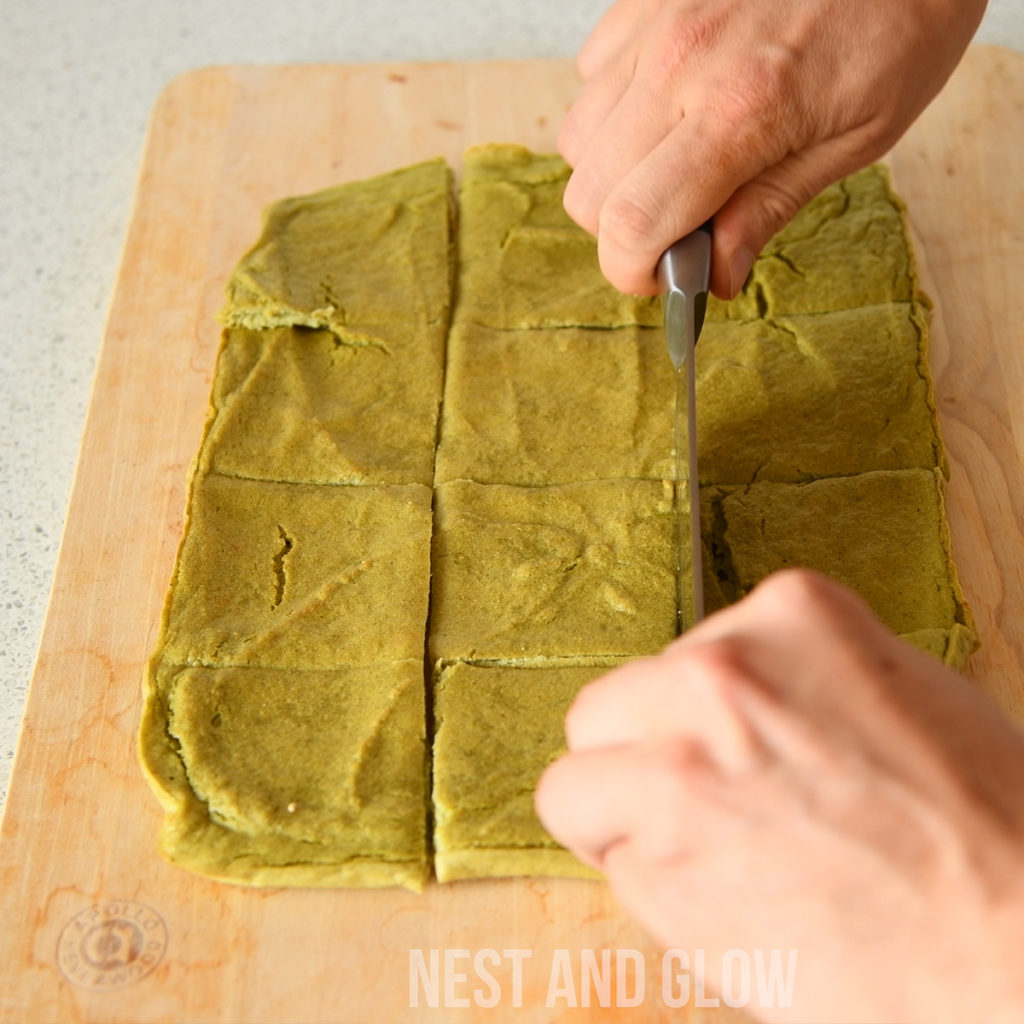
848 247
883 533
365 252
304 406
574 570
523 262
299 576
796 398
552 406
279 777
496 729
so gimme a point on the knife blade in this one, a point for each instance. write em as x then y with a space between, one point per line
683 275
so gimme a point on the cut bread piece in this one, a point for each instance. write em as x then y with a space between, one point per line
496 729
299 576
553 406
884 534
572 570
803 397
303 406
366 252
278 777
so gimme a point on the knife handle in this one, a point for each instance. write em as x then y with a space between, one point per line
685 268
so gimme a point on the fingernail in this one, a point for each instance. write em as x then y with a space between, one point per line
739 269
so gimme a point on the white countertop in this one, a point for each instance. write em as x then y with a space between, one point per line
79 82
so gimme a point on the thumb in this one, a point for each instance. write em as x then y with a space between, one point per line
759 209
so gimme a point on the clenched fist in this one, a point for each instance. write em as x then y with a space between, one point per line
741 109
788 774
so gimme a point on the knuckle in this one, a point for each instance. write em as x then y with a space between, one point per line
625 232
802 591
627 222
568 142
718 669
778 206
755 107
877 136
578 202
670 767
686 36
546 791
580 713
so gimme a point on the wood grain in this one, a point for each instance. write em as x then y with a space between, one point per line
80 824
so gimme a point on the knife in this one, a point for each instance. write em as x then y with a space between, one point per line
683 274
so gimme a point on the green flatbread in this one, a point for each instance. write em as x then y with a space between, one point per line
496 729
522 262
376 483
882 533
301 406
523 573
802 397
849 247
264 580
366 252
278 777
553 406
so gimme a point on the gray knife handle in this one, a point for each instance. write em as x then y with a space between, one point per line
686 267
684 271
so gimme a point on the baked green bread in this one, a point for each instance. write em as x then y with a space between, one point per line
410 542
285 711
803 397
503 421
496 728
529 574
263 580
848 248
367 252
522 263
282 777
338 413
884 535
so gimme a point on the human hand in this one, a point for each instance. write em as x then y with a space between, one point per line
741 109
790 775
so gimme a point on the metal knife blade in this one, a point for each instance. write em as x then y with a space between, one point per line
683 275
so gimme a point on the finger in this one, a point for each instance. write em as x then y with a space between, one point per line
846 655
761 207
609 37
598 99
694 692
592 800
637 124
679 184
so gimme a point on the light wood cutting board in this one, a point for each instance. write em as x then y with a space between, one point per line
80 879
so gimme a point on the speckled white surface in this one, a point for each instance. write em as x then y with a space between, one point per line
78 82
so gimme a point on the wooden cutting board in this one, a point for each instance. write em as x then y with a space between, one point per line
96 926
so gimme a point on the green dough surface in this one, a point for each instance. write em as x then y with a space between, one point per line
848 247
297 576
551 572
554 406
802 397
522 262
496 729
434 498
366 252
881 533
301 406
294 777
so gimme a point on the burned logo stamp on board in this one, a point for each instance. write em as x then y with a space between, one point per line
111 945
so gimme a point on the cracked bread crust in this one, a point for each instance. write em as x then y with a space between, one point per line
295 627
262 580
496 729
